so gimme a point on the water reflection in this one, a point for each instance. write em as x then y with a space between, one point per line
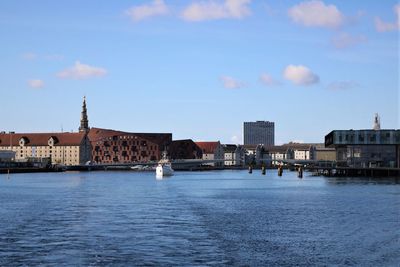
198 218
363 180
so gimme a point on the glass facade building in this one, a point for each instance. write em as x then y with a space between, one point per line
365 148
259 132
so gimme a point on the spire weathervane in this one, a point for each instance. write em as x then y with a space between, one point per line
84 127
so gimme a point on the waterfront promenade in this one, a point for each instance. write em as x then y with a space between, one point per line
226 218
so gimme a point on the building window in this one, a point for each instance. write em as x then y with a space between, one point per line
373 138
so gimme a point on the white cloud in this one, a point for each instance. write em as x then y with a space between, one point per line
211 10
342 85
29 56
81 71
36 83
156 8
315 13
231 83
267 80
382 26
345 40
300 75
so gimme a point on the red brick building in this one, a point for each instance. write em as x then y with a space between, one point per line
109 146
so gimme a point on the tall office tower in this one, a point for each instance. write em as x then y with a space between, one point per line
259 132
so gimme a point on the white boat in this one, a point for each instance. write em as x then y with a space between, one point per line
164 168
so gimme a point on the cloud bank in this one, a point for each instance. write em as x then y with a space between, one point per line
382 26
141 12
300 75
36 83
232 83
212 10
81 71
316 14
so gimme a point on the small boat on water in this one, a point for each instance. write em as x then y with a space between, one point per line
164 167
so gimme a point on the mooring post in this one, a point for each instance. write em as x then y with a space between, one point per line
300 172
280 170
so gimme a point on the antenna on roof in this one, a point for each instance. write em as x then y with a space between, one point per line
62 130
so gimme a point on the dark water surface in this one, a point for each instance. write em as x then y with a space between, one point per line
197 218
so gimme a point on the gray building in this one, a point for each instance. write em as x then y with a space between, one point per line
259 132
365 148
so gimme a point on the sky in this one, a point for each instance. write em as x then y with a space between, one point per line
199 69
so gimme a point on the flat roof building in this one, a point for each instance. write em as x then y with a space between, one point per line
259 132
366 148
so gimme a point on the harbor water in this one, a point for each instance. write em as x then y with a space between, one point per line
227 218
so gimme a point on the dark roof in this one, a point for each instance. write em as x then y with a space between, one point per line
250 146
325 149
279 149
42 139
184 149
230 148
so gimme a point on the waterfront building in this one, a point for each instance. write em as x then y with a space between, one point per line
277 154
302 151
229 154
111 147
212 151
254 154
259 132
325 154
240 156
365 148
7 156
233 155
61 148
184 149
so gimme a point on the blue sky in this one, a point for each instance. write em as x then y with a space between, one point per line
199 69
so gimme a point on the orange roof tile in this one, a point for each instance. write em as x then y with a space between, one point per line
41 139
208 147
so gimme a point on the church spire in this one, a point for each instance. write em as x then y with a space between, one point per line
84 127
